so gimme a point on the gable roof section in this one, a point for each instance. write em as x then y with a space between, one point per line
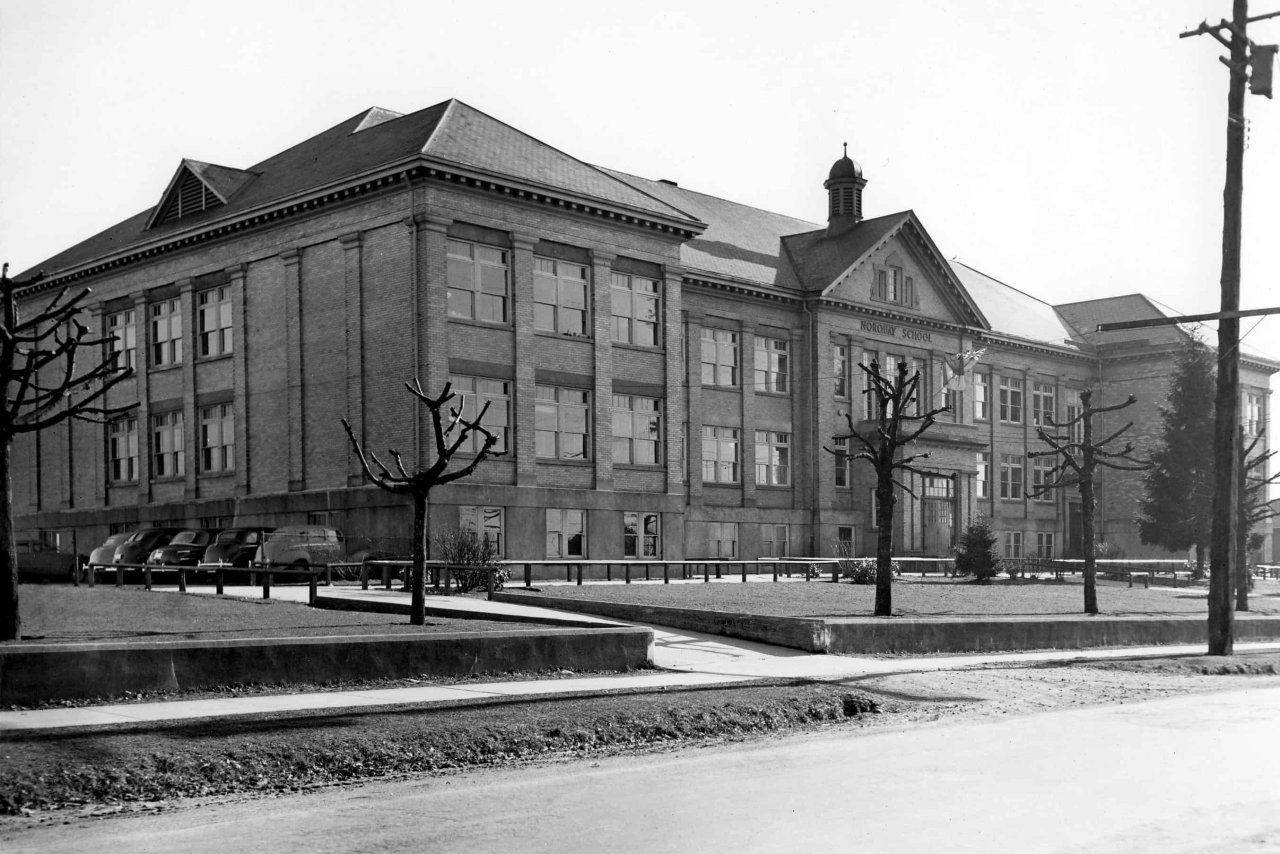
197 187
822 262
740 242
447 134
1014 313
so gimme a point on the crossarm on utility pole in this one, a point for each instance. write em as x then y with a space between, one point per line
1185 318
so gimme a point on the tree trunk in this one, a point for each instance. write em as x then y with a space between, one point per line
1090 550
884 545
418 603
10 619
1242 567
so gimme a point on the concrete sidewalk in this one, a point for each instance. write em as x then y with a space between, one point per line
687 659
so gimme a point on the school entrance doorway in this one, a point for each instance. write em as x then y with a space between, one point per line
938 511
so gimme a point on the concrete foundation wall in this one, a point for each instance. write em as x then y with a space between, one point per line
31 673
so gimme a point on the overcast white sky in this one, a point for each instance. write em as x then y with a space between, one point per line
1071 148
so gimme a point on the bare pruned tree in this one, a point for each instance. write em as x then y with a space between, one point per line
899 421
46 380
1254 506
1077 462
451 432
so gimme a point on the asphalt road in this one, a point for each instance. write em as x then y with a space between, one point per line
1195 773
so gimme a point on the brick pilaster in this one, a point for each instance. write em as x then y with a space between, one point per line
602 333
236 277
353 293
526 360
190 416
293 366
675 378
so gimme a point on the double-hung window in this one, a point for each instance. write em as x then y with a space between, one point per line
485 523
1074 409
475 392
1044 544
1041 477
477 282
982 397
893 286
167 445
1012 545
122 449
635 310
1255 414
773 458
637 430
641 535
719 454
566 533
559 297
984 474
1011 476
774 541
1044 404
561 423
217 438
722 539
844 463
1011 400
772 365
214 318
840 371
122 328
719 358
166 333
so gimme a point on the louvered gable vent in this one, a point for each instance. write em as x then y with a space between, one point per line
190 197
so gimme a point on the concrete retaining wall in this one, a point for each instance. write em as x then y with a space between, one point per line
31 673
807 633
869 635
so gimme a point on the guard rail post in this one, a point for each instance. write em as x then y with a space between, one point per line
311 587
182 579
119 576
835 573
447 572
775 572
744 571
489 583
706 573
579 574
528 575
386 577
92 572
364 576
146 577
218 578
266 584
627 570
666 573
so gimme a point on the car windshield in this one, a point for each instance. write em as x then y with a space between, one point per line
188 538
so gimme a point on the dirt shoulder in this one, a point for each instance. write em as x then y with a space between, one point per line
63 776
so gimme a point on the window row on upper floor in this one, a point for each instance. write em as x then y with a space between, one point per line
163 330
166 444
480 289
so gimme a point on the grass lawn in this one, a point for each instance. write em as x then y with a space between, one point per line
62 614
914 596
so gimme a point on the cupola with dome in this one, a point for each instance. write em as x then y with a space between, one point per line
844 194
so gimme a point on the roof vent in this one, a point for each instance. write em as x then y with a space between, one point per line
668 182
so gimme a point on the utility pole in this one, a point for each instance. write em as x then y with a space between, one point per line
1223 555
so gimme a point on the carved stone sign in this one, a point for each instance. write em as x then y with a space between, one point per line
896 331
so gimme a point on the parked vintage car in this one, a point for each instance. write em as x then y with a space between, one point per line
141 543
104 554
185 549
41 561
300 545
235 546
